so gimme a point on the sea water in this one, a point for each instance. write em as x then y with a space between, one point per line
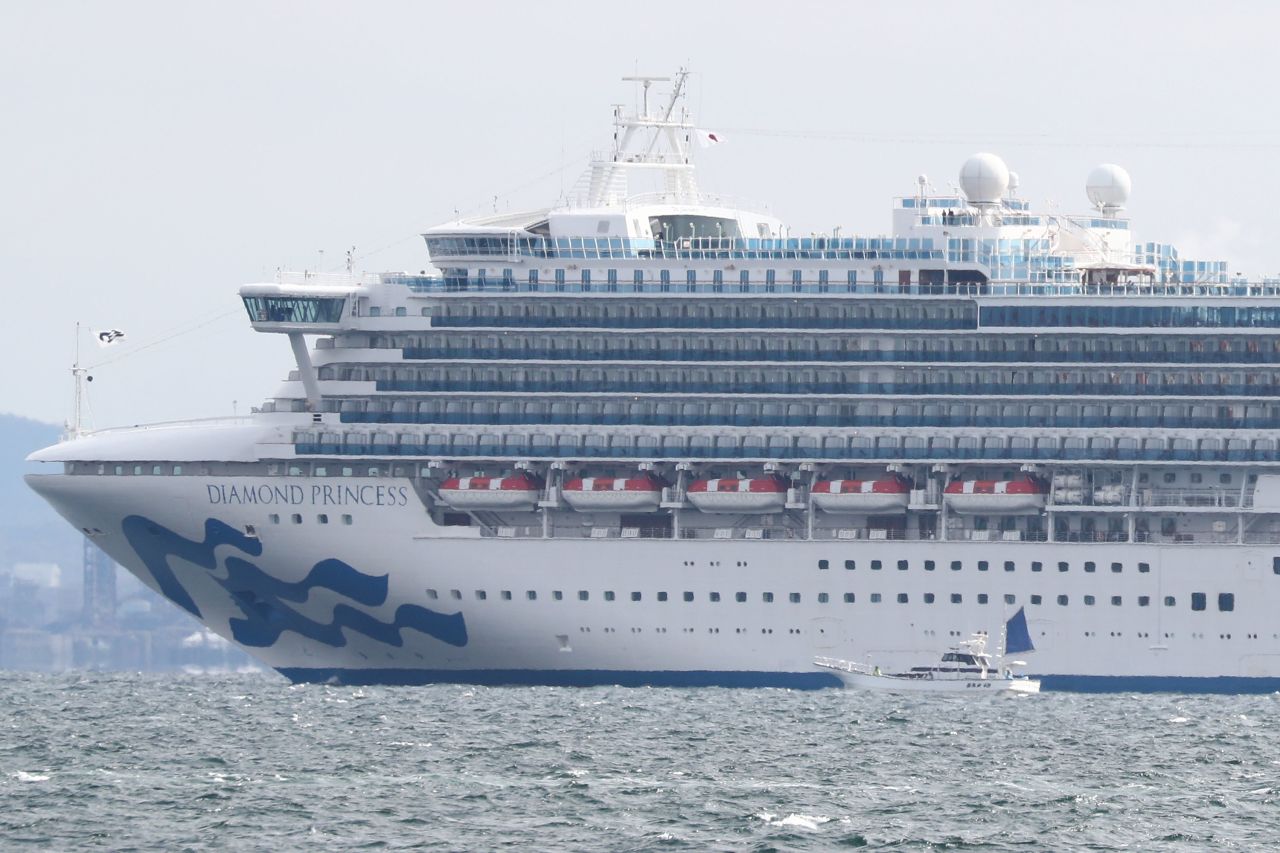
132 762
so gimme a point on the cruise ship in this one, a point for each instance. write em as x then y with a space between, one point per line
649 436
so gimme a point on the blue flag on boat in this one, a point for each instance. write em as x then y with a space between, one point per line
1016 636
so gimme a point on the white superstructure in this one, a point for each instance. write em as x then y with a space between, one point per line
648 436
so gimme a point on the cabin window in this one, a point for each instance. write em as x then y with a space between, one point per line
1144 600
609 595
1089 600
1170 601
1037 566
1116 600
1143 568
506 595
875 598
1063 600
662 596
823 598
481 595
794 598
635 596
902 598
714 596
1062 567
432 594
956 598
849 566
875 565
455 594
1117 568
1226 601
824 565
740 597
1197 601
1010 598
848 598
688 596
983 565
902 565
1035 599
928 598
1008 565
928 565
982 598
583 595
1090 566
767 597
558 594
955 565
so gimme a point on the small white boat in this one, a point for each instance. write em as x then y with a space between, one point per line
966 668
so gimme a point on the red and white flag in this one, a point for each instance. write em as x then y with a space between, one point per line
707 138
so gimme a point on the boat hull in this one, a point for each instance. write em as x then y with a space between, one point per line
612 501
322 601
969 686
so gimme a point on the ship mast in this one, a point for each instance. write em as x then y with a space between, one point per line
76 428
608 177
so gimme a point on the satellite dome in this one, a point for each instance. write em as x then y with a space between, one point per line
984 178
1108 187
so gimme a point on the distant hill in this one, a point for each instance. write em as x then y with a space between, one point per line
30 531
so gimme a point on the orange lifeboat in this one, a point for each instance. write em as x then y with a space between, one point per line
996 497
613 494
518 492
744 495
890 495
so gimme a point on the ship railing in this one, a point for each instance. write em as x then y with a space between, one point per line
325 279
698 196
774 533
706 283
1206 537
845 665
1022 287
1196 498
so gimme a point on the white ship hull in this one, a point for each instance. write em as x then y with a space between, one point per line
394 617
969 686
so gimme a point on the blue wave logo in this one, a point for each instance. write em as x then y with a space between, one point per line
264 600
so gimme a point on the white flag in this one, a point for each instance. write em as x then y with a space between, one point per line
108 337
707 138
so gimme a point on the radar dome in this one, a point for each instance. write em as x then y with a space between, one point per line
984 178
1108 187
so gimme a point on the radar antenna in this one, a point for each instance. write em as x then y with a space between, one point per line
646 81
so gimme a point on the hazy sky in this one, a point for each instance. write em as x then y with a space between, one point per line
155 156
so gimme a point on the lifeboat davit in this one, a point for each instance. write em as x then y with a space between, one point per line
515 493
613 494
890 495
995 497
757 495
